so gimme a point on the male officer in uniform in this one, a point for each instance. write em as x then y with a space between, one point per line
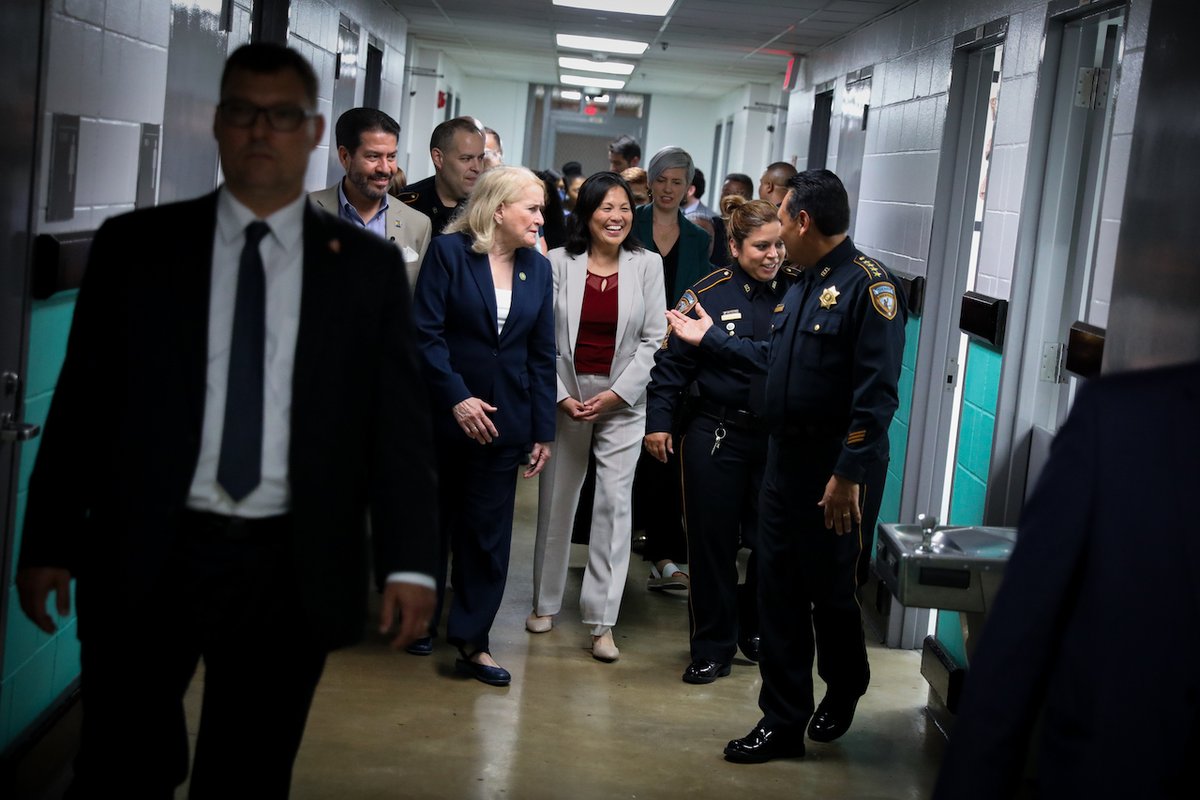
366 146
833 367
456 147
723 447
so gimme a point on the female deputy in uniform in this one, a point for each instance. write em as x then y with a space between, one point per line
685 249
609 322
484 315
723 447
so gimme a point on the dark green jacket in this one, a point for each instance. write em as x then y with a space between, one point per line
693 248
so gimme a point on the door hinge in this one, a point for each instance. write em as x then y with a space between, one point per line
1091 87
1053 354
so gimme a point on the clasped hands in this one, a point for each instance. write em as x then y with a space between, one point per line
589 410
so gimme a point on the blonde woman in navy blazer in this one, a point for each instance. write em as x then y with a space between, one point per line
485 331
605 352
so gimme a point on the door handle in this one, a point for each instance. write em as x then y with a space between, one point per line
12 430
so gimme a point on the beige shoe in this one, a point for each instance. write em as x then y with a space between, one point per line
604 648
536 624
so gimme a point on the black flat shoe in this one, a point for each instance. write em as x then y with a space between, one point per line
749 647
492 676
705 671
763 744
831 720
421 647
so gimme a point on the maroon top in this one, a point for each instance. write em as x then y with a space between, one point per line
597 341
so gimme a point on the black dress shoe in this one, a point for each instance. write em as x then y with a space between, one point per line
763 744
421 647
492 676
749 647
832 719
705 671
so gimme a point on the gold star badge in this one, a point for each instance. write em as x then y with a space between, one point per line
829 297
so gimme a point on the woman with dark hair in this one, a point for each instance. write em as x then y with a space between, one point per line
609 322
485 329
723 446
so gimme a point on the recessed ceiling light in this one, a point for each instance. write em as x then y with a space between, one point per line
649 8
608 67
589 82
570 94
599 44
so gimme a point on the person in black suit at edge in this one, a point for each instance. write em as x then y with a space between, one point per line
238 391
833 365
484 310
1106 552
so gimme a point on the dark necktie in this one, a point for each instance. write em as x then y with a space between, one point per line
239 469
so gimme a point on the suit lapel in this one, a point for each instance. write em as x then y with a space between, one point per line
625 289
192 244
481 272
318 289
576 277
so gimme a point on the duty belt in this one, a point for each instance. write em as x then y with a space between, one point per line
734 417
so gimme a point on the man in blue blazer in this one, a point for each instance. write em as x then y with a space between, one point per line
240 387
1097 625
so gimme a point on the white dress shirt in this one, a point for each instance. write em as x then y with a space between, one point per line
282 252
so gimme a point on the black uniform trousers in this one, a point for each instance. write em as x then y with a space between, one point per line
808 582
720 500
227 597
477 489
657 508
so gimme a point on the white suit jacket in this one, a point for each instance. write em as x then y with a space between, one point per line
407 229
641 324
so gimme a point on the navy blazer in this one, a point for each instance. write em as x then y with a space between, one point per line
693 244
464 355
1098 619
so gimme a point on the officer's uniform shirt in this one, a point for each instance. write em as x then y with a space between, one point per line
834 357
422 196
740 307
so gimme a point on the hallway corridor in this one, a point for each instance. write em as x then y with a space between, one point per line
389 725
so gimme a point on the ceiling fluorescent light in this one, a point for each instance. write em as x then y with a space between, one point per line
649 8
608 67
602 99
599 44
589 82
570 94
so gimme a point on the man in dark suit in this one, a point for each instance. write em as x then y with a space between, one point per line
1097 625
240 387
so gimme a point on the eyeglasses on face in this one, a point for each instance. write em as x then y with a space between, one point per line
283 119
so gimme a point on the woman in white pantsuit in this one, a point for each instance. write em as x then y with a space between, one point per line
608 323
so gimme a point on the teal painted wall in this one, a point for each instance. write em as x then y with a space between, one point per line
36 667
977 423
889 509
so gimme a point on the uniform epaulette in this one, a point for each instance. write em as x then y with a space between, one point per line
712 279
791 271
408 198
871 267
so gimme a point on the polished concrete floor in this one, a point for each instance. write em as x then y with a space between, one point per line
389 725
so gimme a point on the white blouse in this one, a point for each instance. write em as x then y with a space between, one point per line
503 306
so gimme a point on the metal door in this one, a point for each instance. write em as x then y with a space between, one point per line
852 140
20 58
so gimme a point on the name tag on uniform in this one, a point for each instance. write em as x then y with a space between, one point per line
728 315
408 253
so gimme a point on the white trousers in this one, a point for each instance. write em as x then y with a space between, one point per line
616 440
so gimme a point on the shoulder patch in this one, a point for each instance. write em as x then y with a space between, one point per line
883 297
687 302
871 267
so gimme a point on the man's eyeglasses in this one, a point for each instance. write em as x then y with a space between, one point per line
283 119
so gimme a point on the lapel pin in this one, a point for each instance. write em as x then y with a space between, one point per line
521 275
